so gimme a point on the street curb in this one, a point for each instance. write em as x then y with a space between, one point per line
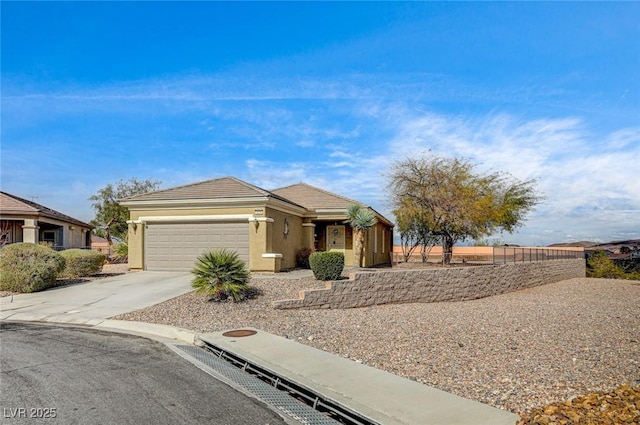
152 330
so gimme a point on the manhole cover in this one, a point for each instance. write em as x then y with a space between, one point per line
239 333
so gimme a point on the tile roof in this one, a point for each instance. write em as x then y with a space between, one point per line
313 198
220 188
11 204
301 195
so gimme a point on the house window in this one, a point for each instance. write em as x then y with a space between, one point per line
49 236
383 232
6 229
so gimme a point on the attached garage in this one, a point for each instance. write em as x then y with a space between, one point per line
175 246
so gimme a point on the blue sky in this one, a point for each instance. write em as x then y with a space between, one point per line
330 94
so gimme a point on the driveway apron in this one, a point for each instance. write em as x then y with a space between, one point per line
92 302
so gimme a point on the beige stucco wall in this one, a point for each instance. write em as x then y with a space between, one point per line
135 214
135 242
294 240
435 285
378 245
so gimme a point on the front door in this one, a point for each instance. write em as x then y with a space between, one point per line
335 238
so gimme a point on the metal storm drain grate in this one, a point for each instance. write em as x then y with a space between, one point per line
297 402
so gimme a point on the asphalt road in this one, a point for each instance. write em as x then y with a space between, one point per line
70 375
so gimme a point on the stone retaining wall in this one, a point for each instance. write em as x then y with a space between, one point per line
367 288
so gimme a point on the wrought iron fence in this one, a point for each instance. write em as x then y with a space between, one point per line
491 255
510 254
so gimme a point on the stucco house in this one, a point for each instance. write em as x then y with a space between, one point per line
169 228
22 220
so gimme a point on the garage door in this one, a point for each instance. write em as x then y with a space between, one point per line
175 246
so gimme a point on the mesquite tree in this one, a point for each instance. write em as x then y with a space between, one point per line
448 199
111 217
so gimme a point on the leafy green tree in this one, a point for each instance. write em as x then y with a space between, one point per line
360 219
111 217
221 274
455 202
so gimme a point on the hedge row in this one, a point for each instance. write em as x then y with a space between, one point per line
28 267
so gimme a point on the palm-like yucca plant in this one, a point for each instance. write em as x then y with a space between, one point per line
360 219
221 274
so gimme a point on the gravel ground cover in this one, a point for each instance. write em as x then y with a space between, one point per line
515 351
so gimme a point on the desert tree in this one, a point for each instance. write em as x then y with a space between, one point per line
111 217
414 232
454 201
360 219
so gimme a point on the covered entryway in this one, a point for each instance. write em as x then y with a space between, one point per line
175 246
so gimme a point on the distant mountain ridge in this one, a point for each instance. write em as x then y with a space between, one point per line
613 245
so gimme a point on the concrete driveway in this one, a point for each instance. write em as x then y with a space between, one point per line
92 302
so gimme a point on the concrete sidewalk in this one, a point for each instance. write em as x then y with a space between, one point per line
92 302
383 397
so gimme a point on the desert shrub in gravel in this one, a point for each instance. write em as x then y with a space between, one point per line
221 274
327 265
27 267
302 258
82 262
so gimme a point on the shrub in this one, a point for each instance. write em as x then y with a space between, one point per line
220 274
82 262
601 266
28 267
302 258
120 252
327 265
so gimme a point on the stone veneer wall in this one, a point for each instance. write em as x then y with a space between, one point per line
367 288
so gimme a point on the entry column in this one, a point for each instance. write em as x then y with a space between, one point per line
30 230
308 235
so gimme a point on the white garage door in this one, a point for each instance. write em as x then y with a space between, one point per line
175 246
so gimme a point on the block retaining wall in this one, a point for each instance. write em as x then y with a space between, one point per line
366 288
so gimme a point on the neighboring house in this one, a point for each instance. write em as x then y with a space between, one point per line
169 228
22 220
589 252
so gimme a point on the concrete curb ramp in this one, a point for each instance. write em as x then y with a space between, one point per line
372 393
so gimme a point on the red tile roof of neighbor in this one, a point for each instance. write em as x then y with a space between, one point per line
14 205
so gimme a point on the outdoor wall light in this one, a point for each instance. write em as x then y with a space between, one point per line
256 223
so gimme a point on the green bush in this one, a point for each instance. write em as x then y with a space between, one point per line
82 262
120 252
302 258
220 274
601 266
327 265
27 267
